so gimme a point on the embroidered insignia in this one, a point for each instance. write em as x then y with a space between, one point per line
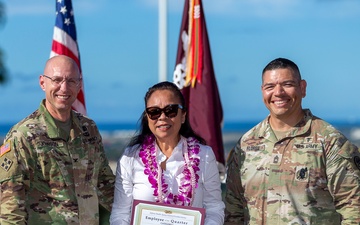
276 158
302 174
357 162
5 148
85 131
6 164
48 143
308 140
255 148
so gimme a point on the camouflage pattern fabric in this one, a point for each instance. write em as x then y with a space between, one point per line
50 177
310 176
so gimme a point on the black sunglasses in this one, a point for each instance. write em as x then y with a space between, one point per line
170 111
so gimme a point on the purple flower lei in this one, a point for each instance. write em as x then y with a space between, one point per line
156 178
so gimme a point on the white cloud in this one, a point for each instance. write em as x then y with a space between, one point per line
172 5
41 7
238 8
231 8
338 9
272 8
17 7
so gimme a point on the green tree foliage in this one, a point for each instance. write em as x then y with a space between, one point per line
2 65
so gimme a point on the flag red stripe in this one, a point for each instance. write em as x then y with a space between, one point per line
64 38
61 49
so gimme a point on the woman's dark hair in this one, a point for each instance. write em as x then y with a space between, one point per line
144 129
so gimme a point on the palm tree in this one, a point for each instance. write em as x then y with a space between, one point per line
2 66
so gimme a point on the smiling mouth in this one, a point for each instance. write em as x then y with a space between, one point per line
163 126
281 102
63 97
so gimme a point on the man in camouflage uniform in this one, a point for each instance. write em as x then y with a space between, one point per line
53 169
293 167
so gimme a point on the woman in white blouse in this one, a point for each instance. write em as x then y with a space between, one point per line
167 162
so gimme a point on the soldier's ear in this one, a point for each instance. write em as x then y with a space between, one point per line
303 85
42 82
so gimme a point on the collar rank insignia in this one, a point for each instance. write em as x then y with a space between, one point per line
357 162
6 163
5 148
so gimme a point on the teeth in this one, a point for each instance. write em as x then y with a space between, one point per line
63 96
164 126
280 102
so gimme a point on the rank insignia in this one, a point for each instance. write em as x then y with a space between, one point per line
6 163
276 159
357 162
5 148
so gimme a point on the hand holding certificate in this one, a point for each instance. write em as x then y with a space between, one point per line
153 213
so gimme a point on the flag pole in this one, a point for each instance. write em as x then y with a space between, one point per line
162 40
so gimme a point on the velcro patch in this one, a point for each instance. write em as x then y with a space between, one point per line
6 163
302 173
5 148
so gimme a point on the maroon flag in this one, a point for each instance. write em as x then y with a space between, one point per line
65 43
194 75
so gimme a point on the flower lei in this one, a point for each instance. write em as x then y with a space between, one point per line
156 178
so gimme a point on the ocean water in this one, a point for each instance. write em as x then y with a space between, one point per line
118 129
124 130
117 135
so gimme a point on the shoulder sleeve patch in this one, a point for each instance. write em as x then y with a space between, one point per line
5 148
6 163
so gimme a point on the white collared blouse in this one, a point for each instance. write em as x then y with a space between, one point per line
132 183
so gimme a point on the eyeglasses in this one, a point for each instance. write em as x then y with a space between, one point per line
57 81
170 111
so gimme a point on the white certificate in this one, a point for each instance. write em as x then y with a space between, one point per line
153 213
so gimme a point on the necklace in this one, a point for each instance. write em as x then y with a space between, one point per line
189 180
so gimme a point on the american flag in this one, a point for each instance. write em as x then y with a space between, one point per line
65 43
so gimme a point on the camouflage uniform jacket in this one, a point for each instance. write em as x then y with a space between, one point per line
49 177
310 176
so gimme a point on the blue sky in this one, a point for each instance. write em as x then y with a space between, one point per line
118 42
